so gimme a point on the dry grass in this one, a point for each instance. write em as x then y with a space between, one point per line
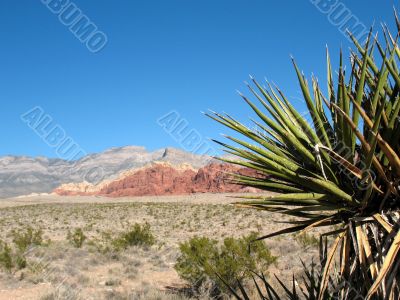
57 268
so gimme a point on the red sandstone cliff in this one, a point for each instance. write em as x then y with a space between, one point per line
163 179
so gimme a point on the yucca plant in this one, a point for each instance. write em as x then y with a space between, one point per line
340 168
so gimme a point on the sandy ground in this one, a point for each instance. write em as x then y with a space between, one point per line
57 268
212 199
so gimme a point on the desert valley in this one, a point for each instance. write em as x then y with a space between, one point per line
179 195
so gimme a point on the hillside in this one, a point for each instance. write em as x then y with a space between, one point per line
21 175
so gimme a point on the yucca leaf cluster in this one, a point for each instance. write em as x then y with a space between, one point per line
338 165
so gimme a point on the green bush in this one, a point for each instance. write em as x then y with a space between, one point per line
201 259
139 235
15 256
24 238
20 261
307 240
6 261
77 238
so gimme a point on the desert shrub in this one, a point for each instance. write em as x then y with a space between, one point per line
76 238
15 256
102 244
6 261
307 240
197 258
138 235
10 259
202 258
26 237
20 261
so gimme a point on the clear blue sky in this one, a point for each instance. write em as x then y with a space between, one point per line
183 55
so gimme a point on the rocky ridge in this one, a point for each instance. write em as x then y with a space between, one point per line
22 175
161 178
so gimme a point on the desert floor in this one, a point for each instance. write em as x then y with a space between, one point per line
58 270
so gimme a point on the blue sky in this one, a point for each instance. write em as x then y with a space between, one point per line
187 56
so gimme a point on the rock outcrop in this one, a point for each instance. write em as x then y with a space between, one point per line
161 178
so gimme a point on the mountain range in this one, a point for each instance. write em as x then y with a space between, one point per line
123 171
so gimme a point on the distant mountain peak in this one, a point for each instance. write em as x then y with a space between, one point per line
127 148
165 154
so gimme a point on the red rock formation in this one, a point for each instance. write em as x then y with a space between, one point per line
164 179
157 180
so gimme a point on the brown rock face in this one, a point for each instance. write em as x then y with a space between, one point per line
214 178
164 179
156 180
